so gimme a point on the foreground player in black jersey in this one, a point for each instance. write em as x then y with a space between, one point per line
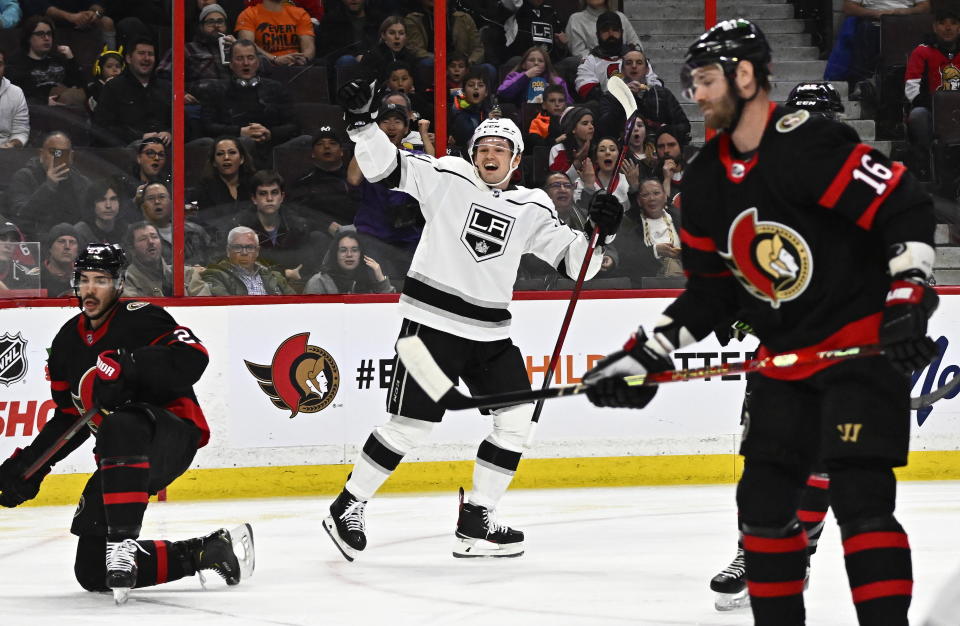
730 584
136 366
822 243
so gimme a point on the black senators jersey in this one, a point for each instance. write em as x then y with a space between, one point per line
169 360
796 235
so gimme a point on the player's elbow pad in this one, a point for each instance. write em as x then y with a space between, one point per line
175 366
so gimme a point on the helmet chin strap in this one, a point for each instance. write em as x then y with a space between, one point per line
118 284
741 102
512 169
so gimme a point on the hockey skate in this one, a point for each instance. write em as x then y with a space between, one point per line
122 568
346 525
229 553
730 585
480 535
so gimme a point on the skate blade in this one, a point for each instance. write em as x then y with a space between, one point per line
731 601
242 539
347 552
481 548
120 595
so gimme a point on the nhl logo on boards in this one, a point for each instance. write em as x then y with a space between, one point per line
301 378
771 260
486 232
13 358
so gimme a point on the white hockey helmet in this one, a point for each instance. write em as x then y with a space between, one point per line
497 127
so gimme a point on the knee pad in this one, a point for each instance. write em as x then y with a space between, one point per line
862 492
90 566
768 494
513 427
403 433
124 432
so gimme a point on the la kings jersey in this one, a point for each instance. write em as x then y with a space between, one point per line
165 377
462 274
796 236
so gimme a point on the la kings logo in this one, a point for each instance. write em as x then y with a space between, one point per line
486 232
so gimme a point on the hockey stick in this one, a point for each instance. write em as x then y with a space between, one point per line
424 369
619 90
925 400
59 443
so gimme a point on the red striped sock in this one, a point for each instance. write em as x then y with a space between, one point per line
776 560
877 557
814 503
125 481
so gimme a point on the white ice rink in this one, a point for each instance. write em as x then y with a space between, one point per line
638 556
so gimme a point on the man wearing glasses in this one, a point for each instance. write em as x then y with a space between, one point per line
240 274
46 191
202 56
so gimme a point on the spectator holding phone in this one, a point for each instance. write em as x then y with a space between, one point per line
47 190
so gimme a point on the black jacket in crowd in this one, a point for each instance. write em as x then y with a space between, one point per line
227 107
128 109
38 76
658 107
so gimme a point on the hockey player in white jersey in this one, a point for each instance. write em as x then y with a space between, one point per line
456 298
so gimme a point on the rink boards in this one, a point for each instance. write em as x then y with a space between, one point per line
293 390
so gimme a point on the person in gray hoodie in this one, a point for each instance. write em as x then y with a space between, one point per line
581 28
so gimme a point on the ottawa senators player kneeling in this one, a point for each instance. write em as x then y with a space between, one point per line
128 368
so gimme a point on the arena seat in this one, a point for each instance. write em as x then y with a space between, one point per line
307 83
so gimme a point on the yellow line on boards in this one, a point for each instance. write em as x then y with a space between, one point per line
260 482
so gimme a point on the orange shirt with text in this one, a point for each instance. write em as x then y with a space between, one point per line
277 32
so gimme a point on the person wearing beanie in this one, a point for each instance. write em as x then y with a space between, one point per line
60 249
202 58
581 28
605 59
575 144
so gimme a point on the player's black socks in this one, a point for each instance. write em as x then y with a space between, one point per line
158 562
814 503
381 454
877 555
125 480
776 561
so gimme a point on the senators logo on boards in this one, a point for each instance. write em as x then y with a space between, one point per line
13 358
771 260
301 378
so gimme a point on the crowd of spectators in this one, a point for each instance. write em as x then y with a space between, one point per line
275 202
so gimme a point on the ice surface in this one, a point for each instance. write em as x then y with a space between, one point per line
612 556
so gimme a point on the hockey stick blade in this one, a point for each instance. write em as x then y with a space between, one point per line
421 365
925 400
619 90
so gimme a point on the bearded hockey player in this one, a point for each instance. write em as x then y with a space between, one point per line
822 243
456 298
129 368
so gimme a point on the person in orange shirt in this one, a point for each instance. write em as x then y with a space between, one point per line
282 32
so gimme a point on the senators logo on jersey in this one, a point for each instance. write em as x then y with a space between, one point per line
300 377
771 260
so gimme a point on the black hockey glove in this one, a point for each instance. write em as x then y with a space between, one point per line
607 386
606 212
357 99
15 490
736 331
115 384
903 331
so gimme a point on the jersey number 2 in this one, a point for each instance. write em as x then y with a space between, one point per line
873 174
182 334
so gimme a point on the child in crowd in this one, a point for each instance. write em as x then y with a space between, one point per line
529 79
456 69
545 128
471 108
400 79
108 65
